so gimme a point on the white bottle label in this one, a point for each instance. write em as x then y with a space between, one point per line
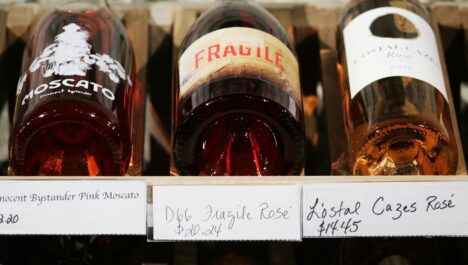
373 53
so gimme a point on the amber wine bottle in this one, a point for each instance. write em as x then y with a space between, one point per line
74 98
397 103
238 100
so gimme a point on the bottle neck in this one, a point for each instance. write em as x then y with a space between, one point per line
79 5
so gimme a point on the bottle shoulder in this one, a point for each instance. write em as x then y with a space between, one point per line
99 21
357 7
81 35
235 14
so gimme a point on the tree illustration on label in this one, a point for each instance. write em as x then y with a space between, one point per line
393 26
67 55
70 54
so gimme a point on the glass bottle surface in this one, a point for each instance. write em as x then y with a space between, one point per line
397 102
75 250
74 99
239 106
389 251
233 253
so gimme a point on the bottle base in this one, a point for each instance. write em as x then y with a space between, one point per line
405 148
241 135
65 141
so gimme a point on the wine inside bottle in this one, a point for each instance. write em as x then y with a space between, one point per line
74 99
237 95
397 103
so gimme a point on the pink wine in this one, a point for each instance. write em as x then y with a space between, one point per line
74 100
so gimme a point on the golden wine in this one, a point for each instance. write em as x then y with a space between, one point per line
397 103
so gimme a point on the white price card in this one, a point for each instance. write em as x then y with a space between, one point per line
385 209
74 207
188 213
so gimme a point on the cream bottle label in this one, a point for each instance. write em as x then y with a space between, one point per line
238 52
409 49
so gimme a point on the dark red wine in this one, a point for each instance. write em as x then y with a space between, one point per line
74 100
238 98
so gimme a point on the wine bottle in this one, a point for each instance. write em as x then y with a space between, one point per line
389 251
238 100
232 253
397 102
74 99
75 250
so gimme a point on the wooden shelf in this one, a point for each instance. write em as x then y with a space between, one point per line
173 180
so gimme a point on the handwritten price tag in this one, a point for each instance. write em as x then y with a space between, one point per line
385 209
226 213
73 207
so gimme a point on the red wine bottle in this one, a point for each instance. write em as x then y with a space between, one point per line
238 100
74 99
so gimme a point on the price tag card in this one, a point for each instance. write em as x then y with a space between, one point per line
385 209
189 213
73 207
